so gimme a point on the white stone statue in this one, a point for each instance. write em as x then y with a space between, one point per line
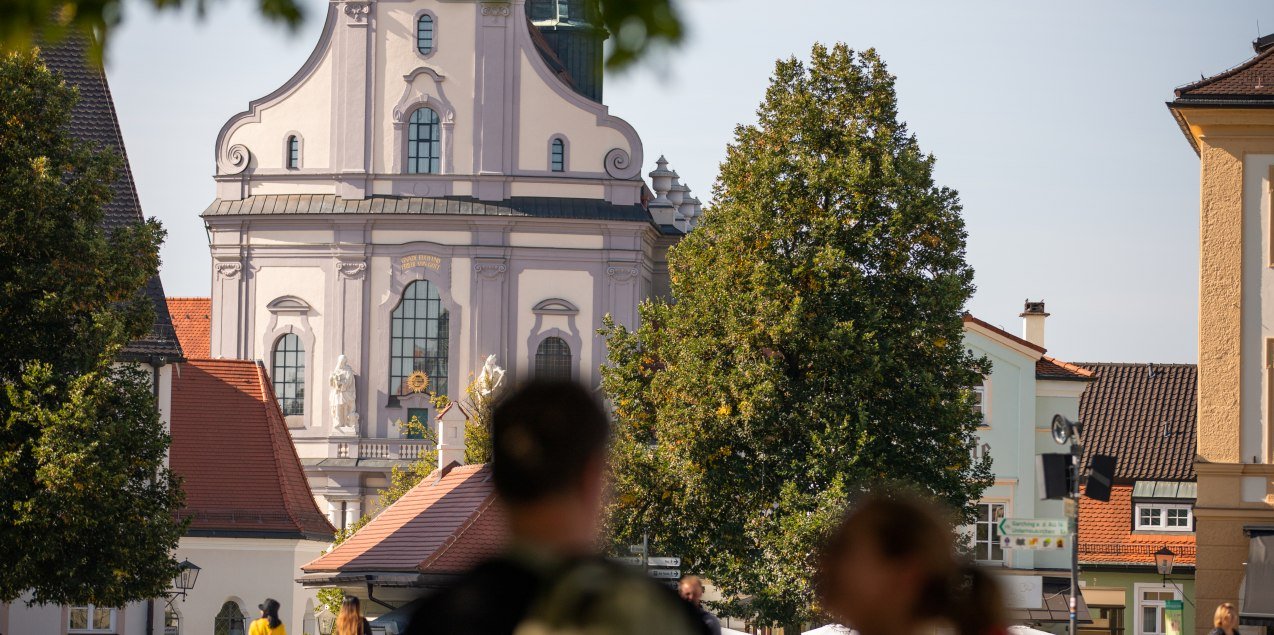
490 378
344 418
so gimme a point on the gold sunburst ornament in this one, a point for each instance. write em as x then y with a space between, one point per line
417 381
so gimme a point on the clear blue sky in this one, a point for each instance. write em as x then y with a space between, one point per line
1049 119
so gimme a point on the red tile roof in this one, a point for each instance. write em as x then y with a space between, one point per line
446 524
1106 535
1249 81
231 447
1048 368
192 319
1144 414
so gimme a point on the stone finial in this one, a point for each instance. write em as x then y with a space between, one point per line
696 210
661 180
677 193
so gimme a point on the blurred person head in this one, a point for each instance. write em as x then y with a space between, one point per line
350 619
548 462
270 612
1226 617
892 568
691 589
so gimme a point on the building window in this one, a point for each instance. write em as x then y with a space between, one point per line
425 34
1151 600
294 152
229 620
419 339
90 619
553 360
979 404
1161 517
986 533
557 155
288 373
423 142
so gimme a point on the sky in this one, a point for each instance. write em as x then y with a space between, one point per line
1077 185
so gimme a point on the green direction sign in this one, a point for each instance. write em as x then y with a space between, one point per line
1035 527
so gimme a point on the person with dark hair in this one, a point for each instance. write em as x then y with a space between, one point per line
269 623
351 620
549 442
892 568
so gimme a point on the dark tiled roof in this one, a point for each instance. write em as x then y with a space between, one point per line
94 122
1106 535
192 320
1144 415
1048 368
532 206
1248 84
231 447
446 524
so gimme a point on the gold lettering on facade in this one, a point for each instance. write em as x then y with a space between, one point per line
414 261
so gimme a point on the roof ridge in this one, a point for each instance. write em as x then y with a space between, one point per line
1229 72
455 536
969 317
274 417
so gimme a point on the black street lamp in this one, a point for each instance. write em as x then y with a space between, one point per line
187 574
1163 562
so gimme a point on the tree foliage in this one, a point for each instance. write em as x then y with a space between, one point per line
637 25
87 508
814 349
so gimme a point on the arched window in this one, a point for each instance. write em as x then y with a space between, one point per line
294 152
423 142
288 373
419 338
553 360
229 621
557 155
425 34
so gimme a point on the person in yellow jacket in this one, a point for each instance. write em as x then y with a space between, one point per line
269 624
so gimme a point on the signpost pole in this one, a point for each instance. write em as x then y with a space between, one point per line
1076 449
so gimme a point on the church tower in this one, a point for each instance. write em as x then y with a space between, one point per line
573 30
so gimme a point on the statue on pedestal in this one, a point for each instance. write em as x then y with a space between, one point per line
490 378
343 398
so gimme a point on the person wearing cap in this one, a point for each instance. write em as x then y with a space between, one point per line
269 623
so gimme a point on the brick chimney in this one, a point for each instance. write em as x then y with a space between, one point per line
451 422
1033 316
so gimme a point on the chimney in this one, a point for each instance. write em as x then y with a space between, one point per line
1033 316
451 422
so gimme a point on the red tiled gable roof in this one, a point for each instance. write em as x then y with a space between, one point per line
192 318
1106 535
1048 368
969 319
446 524
1145 415
1249 81
231 447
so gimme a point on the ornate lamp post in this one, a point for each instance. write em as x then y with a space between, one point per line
187 575
1164 559
326 622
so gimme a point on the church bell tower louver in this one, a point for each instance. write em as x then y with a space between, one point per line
573 30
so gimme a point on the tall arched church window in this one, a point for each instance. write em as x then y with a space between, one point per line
557 155
423 143
294 152
229 620
425 34
288 373
553 360
419 339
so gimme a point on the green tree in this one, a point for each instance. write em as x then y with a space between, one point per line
637 25
88 512
814 349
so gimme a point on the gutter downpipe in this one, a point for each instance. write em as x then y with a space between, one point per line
371 595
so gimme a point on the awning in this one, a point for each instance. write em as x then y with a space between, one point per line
1054 607
1256 602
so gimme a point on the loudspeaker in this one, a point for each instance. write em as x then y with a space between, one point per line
1101 474
1054 475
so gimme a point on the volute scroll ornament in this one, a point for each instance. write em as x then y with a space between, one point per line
358 11
620 165
235 159
229 269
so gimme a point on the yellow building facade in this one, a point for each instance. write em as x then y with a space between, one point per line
1229 121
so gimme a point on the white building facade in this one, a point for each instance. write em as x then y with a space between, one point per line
436 185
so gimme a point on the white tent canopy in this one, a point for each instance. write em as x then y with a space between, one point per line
830 629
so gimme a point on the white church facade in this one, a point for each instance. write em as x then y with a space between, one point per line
439 183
